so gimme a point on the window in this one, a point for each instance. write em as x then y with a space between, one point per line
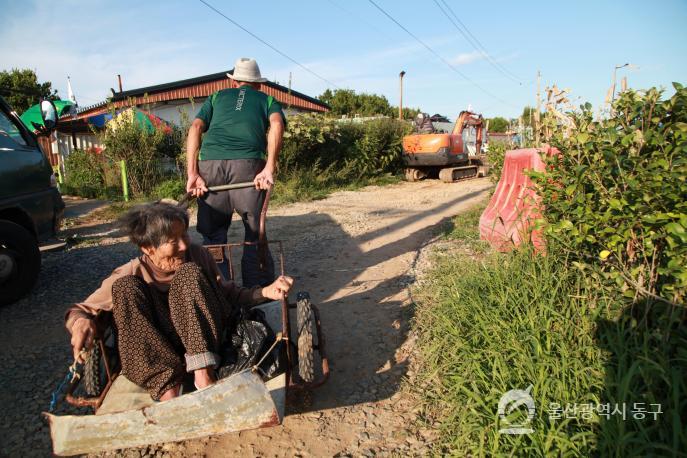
10 135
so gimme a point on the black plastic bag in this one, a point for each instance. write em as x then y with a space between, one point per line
249 341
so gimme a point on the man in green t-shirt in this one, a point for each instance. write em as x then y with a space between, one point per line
239 127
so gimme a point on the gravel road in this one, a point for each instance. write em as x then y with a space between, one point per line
353 252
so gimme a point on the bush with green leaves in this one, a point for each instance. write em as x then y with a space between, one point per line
125 139
308 140
370 148
174 188
616 198
380 148
496 154
84 173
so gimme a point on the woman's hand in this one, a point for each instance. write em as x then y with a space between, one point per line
83 333
281 286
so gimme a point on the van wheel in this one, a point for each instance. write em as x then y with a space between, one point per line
20 261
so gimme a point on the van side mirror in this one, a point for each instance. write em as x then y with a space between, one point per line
49 115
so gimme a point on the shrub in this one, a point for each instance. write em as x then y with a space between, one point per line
615 199
309 139
173 188
369 149
84 174
141 149
495 156
380 148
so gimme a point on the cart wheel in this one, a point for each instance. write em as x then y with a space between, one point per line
91 372
306 360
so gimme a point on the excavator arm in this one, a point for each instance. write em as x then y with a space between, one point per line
469 119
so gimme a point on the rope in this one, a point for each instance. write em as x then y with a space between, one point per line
71 375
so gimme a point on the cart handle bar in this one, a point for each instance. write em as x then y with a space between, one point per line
224 187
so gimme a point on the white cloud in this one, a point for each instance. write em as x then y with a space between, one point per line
94 52
468 58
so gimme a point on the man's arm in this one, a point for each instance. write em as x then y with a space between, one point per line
275 137
195 184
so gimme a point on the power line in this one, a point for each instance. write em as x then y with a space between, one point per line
360 19
452 67
472 39
267 44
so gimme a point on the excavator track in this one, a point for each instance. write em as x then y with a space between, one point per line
452 174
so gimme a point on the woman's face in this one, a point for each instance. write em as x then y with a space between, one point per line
171 254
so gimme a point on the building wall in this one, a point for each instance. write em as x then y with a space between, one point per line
83 141
174 112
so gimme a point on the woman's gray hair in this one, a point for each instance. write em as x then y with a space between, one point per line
151 225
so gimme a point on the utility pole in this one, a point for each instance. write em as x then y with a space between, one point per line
289 106
400 103
537 114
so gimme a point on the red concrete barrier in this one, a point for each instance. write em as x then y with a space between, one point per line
509 218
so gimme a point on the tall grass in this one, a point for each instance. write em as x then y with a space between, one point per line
491 323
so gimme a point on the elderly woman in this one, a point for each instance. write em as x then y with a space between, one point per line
170 305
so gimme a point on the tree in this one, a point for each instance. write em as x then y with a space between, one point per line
21 89
347 102
498 124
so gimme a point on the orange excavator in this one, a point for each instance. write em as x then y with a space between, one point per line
452 156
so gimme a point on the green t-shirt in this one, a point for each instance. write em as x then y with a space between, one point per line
236 123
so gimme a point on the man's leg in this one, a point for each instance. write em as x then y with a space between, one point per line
147 356
198 311
214 208
257 268
257 264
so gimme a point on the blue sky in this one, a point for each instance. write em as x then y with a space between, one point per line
353 45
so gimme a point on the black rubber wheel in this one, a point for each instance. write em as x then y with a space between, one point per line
92 382
306 325
20 261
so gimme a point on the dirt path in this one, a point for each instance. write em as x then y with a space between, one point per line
353 252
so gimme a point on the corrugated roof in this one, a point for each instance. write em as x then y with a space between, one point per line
205 79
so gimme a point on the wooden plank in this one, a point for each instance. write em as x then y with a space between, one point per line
237 403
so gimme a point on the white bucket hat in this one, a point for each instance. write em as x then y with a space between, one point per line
246 69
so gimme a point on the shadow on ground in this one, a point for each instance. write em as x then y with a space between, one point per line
364 310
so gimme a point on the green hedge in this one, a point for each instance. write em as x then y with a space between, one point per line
370 148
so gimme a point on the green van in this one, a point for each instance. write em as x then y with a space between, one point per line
30 204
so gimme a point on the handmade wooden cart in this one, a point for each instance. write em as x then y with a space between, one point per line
126 416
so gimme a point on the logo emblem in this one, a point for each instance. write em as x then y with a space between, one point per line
511 401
